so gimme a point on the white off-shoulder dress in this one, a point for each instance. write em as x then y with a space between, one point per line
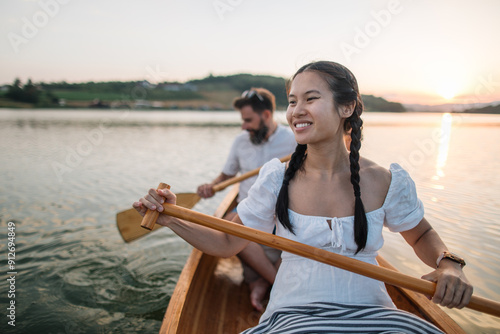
302 282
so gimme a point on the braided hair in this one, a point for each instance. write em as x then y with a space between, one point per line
345 90
296 162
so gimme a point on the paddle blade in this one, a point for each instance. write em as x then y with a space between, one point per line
129 225
187 200
129 221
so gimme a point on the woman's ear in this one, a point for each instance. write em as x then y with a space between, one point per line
347 109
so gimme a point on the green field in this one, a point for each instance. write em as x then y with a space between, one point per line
138 94
71 95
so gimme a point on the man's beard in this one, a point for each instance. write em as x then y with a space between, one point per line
258 136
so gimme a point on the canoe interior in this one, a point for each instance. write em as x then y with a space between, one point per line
211 297
217 301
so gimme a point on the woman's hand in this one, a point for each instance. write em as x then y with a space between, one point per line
452 287
153 201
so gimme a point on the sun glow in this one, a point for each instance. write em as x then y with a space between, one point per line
449 77
447 93
448 90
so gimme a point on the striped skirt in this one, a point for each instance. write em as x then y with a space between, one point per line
338 318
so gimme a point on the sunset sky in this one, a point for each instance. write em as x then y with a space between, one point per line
427 52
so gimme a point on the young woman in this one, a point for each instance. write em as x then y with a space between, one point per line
330 197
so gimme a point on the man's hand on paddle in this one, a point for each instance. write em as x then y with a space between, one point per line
205 190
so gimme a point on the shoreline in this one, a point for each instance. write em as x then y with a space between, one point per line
152 109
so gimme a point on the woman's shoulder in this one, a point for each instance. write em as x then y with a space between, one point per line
274 169
377 180
392 185
374 173
264 191
379 176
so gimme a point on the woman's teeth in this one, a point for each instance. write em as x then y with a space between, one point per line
302 125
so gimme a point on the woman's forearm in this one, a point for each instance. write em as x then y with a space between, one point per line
425 242
207 240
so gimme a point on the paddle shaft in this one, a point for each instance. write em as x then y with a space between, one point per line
359 267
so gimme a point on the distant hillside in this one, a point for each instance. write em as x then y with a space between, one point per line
373 103
492 109
241 82
235 84
478 107
210 93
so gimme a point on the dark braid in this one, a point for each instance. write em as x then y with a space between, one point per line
360 222
345 90
294 165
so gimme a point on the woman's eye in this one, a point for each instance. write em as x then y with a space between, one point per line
312 98
291 102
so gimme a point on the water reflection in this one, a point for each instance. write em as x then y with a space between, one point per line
444 144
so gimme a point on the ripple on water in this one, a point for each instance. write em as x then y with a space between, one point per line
134 281
107 283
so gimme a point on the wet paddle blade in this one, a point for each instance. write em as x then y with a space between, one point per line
187 200
129 221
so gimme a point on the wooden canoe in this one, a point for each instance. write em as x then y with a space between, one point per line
211 297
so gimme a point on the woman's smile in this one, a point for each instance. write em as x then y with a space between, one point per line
302 125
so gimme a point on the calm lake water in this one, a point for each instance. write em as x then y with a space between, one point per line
65 175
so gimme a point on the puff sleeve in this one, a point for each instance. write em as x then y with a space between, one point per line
258 209
403 210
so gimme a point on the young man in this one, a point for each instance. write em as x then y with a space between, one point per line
262 140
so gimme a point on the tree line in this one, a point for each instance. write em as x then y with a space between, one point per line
49 94
30 93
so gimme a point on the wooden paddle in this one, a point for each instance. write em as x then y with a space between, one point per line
128 221
340 261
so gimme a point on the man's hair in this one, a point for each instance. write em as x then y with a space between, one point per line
268 101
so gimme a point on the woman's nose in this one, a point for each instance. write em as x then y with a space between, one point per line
298 110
